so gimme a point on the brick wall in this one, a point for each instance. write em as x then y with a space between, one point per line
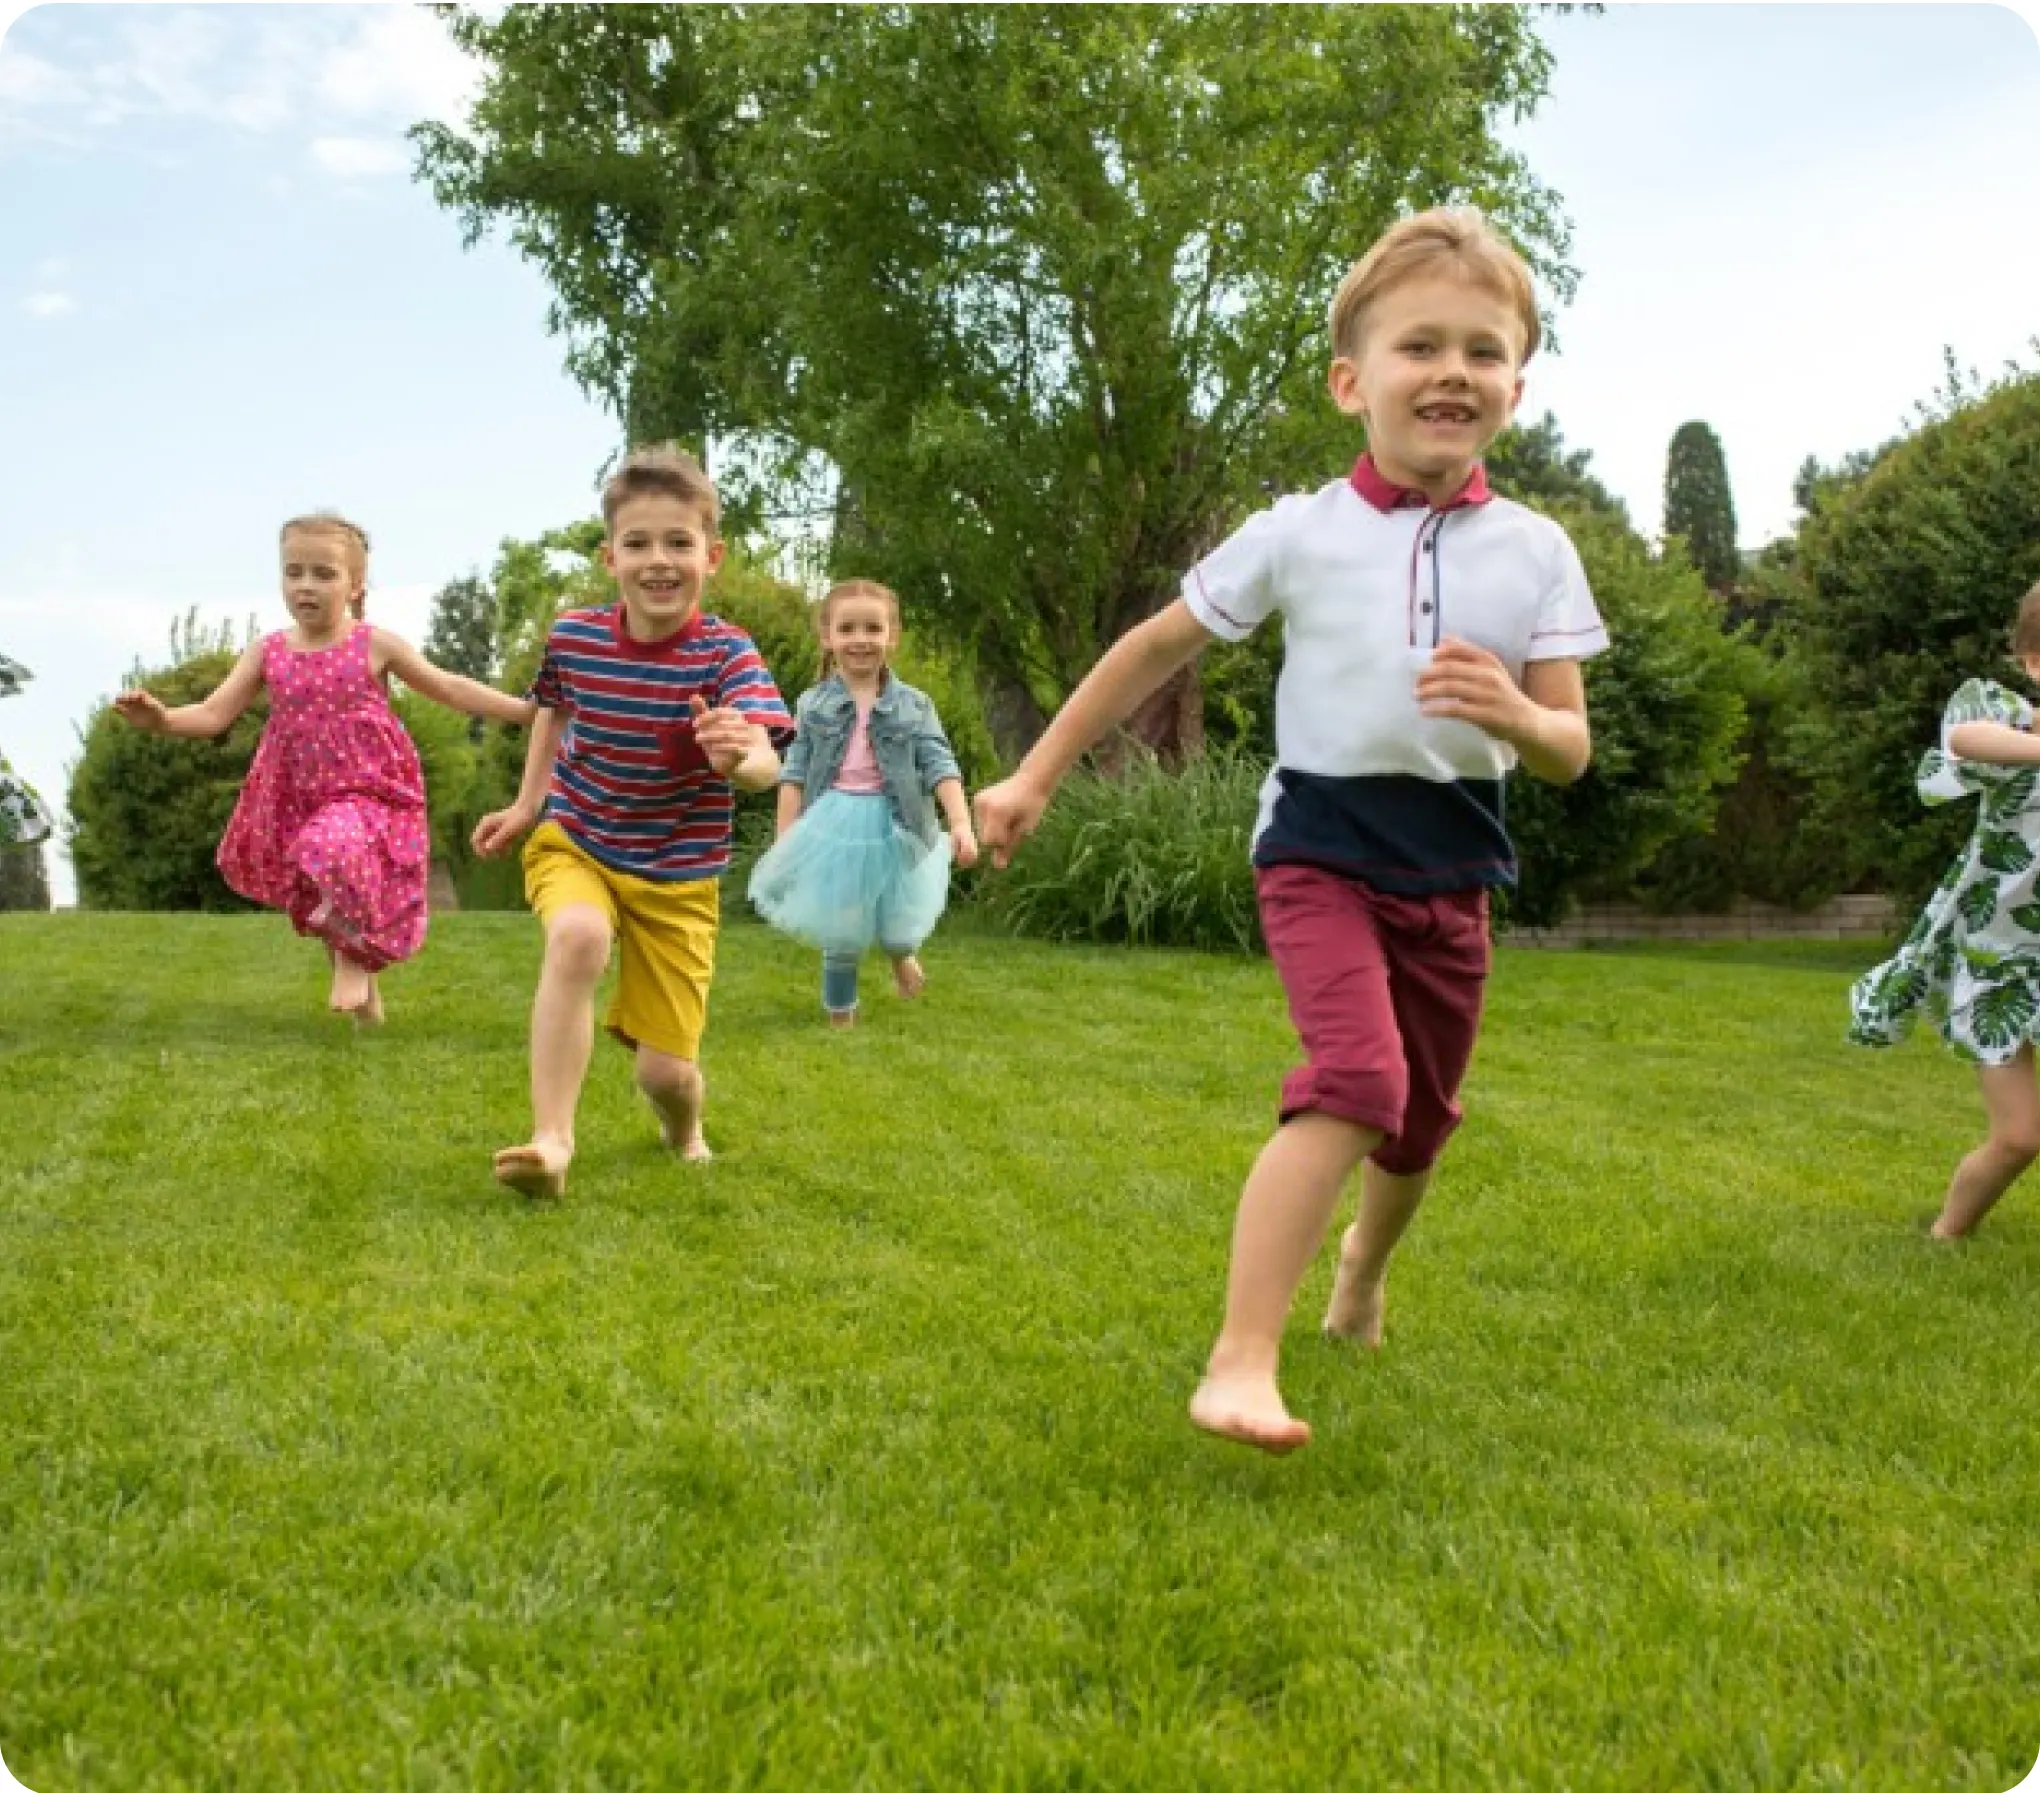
1841 918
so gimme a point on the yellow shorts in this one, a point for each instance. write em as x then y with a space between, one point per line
666 933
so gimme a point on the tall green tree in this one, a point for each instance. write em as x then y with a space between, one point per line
462 633
1026 304
1699 507
24 878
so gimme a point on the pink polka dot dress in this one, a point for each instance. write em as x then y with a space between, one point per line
331 827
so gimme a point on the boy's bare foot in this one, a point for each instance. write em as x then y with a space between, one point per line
537 1170
908 977
1356 1305
1248 1410
693 1148
842 1017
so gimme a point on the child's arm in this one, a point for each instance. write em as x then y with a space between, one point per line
956 812
198 721
495 832
1994 744
453 689
1544 718
791 802
1136 666
739 749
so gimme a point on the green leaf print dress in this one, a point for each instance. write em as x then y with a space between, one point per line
22 816
1972 960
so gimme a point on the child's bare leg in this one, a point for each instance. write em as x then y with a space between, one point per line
562 1037
1287 1204
2011 1099
370 1014
908 977
1388 1203
675 1089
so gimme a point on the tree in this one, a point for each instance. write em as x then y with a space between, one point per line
1531 464
24 878
1905 584
1699 508
1025 305
462 636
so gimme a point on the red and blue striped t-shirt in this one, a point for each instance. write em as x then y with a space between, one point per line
631 785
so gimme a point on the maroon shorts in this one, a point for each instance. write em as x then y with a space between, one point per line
1385 992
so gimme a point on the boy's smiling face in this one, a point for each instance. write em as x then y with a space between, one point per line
1437 377
663 551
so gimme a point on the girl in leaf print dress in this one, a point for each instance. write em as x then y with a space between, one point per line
1972 960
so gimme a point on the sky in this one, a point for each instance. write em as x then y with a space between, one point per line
223 300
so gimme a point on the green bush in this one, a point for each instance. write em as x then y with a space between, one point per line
1665 703
1152 858
147 811
1908 579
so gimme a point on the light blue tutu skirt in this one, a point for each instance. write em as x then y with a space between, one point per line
847 876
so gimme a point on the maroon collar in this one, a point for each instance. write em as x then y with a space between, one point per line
651 650
1385 495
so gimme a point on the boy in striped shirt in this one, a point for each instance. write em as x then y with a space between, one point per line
650 710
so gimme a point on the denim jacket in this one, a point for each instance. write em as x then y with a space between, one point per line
913 753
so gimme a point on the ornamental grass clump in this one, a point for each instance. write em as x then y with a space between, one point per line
1149 858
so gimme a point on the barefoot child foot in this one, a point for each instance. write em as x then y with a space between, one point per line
1248 1410
675 1089
1357 1302
538 1170
370 1013
841 1018
352 986
908 977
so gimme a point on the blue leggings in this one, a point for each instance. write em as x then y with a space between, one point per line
839 977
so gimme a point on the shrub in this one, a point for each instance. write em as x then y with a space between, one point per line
1665 703
1152 858
1908 577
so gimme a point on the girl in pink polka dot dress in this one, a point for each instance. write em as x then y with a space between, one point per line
330 827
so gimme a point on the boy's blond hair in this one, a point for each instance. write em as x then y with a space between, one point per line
2026 628
667 469
1457 238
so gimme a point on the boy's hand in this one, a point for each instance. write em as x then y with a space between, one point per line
963 844
1469 684
497 832
1007 814
144 709
725 736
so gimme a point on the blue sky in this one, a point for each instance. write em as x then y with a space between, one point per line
222 300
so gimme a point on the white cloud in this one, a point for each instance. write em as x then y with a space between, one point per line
359 155
400 63
257 70
48 304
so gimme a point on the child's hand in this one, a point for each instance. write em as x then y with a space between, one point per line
1007 814
497 832
144 709
725 736
1469 684
963 844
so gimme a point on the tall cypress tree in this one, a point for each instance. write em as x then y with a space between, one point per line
1698 505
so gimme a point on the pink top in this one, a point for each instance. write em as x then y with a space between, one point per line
860 773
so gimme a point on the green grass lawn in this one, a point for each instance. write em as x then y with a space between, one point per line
857 1459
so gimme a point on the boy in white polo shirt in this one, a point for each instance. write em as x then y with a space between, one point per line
1433 634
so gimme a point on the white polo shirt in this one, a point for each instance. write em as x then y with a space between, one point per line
1368 577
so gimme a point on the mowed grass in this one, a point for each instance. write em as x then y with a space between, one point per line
857 1460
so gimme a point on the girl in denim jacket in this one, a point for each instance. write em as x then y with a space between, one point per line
871 808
